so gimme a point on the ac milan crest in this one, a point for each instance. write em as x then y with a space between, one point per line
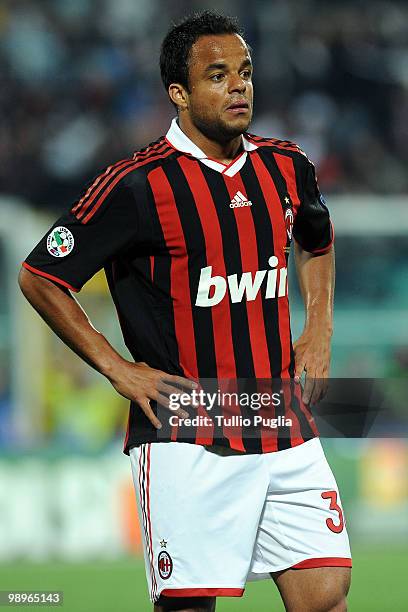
289 222
165 565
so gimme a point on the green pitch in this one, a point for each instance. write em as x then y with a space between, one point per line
379 583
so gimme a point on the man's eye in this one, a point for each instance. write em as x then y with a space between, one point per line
217 77
246 74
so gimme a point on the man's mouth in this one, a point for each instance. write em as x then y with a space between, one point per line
241 106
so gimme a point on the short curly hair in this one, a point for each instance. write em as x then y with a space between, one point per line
176 46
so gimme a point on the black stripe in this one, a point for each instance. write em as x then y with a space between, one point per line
284 433
153 156
305 429
197 259
233 265
111 176
299 166
89 184
265 244
264 238
283 191
291 367
142 157
272 141
155 144
238 311
279 181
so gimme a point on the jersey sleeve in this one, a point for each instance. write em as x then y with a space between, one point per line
106 221
312 228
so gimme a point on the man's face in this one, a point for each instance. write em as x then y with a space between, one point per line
220 82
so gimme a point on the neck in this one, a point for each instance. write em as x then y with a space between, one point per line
223 152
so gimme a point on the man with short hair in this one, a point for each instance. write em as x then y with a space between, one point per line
194 234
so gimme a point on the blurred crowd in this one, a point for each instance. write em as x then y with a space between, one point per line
80 87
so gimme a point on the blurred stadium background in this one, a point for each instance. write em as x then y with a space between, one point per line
79 87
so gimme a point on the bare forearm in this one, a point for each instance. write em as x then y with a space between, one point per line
312 348
316 274
68 320
135 381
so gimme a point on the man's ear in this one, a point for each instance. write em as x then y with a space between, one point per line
178 95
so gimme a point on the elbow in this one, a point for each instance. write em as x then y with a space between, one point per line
32 285
24 280
21 278
29 283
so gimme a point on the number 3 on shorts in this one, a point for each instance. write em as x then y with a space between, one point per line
332 495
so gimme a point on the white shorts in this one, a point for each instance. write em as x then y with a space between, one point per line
211 521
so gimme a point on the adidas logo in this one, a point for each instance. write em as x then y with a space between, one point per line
239 200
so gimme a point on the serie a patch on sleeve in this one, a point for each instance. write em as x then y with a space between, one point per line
60 241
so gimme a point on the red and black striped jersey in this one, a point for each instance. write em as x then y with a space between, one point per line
195 253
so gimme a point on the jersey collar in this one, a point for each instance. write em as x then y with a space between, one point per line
180 141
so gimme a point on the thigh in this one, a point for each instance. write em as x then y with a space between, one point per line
303 524
320 589
196 604
199 514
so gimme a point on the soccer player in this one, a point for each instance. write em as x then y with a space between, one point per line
194 233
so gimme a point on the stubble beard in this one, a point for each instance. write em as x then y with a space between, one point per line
216 129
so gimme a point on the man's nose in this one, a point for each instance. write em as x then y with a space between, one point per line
236 83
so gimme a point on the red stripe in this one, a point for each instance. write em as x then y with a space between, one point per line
150 149
295 431
104 195
109 173
50 276
231 409
109 184
115 182
287 145
109 169
144 516
306 411
148 513
92 192
155 157
179 277
151 153
324 562
203 592
279 240
152 266
287 169
250 263
180 289
269 436
221 315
